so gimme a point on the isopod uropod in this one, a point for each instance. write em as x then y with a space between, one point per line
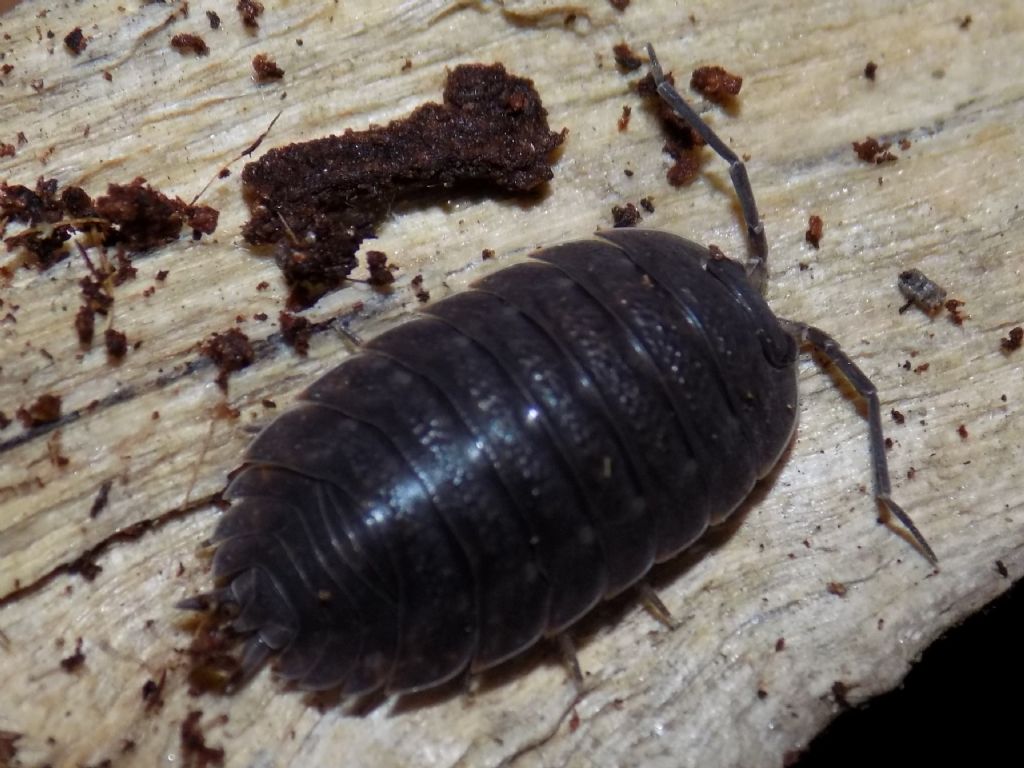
483 475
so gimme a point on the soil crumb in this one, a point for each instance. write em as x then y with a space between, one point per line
318 200
188 43
715 83
230 351
871 150
682 143
250 12
265 69
134 216
625 216
45 410
815 227
625 58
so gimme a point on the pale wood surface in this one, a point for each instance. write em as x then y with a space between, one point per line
949 206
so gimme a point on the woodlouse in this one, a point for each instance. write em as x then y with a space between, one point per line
482 476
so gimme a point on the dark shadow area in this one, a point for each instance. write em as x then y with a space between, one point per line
962 698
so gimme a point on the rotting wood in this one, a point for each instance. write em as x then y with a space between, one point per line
946 206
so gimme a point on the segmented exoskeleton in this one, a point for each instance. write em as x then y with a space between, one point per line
481 476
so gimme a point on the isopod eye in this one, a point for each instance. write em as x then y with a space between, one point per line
780 348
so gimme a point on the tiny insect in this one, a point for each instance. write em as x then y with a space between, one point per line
482 476
917 288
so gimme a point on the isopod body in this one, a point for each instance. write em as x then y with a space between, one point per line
481 476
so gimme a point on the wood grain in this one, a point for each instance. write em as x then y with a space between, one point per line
949 206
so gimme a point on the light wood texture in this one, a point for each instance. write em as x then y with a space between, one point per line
949 206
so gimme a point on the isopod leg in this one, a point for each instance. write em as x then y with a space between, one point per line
206 601
655 606
834 354
757 265
572 664
354 339
254 656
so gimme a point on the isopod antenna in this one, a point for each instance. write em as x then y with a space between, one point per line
757 264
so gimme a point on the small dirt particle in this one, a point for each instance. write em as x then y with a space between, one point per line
625 216
380 273
265 69
1013 341
152 693
836 588
86 567
8 747
193 743
74 661
125 270
189 43
715 83
102 496
45 410
955 309
295 331
75 41
683 171
116 343
85 324
230 351
250 11
872 151
421 293
815 227
627 112
574 721
144 217
626 60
